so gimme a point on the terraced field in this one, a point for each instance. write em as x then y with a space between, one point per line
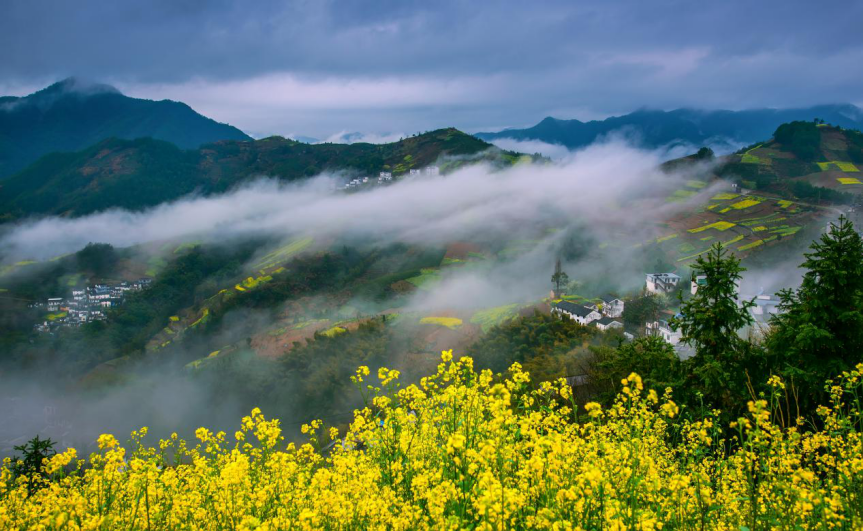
741 223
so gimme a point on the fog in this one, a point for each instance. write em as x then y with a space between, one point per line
591 208
590 185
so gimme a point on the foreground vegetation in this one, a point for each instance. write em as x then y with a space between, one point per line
465 449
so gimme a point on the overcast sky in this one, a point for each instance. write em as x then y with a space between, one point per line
322 67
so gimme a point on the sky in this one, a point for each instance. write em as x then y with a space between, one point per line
323 68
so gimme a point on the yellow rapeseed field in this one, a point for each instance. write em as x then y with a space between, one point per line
462 450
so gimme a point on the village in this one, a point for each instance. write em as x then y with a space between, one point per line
606 312
84 305
385 177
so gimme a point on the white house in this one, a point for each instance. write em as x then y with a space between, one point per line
416 172
697 282
607 323
386 176
663 329
611 306
661 282
54 303
766 306
578 313
432 170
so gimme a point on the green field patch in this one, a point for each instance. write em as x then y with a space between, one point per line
449 322
55 316
756 243
72 279
252 282
491 317
447 261
666 238
733 240
718 225
769 218
155 264
697 185
304 324
685 248
849 180
784 203
724 244
786 231
283 254
704 239
696 255
749 158
724 196
426 279
847 167
205 316
680 195
186 247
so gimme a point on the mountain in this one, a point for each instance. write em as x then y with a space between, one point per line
653 128
810 160
72 115
144 172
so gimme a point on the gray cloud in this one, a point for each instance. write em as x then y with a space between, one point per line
323 67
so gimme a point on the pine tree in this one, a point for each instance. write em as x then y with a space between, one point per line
710 322
559 278
818 332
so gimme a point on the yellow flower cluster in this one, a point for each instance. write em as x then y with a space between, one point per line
467 450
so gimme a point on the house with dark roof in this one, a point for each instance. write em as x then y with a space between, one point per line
578 313
607 323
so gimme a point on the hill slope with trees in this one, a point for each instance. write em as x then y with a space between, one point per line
652 128
71 115
136 174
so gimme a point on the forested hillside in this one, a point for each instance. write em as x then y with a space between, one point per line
136 174
655 128
72 114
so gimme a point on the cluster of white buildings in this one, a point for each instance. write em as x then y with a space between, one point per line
605 315
86 304
385 177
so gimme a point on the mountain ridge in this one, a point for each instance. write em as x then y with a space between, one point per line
72 114
140 173
655 128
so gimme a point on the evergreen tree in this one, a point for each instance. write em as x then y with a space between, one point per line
559 278
710 322
818 332
651 357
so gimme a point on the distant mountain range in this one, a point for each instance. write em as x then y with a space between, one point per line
653 129
144 172
71 115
